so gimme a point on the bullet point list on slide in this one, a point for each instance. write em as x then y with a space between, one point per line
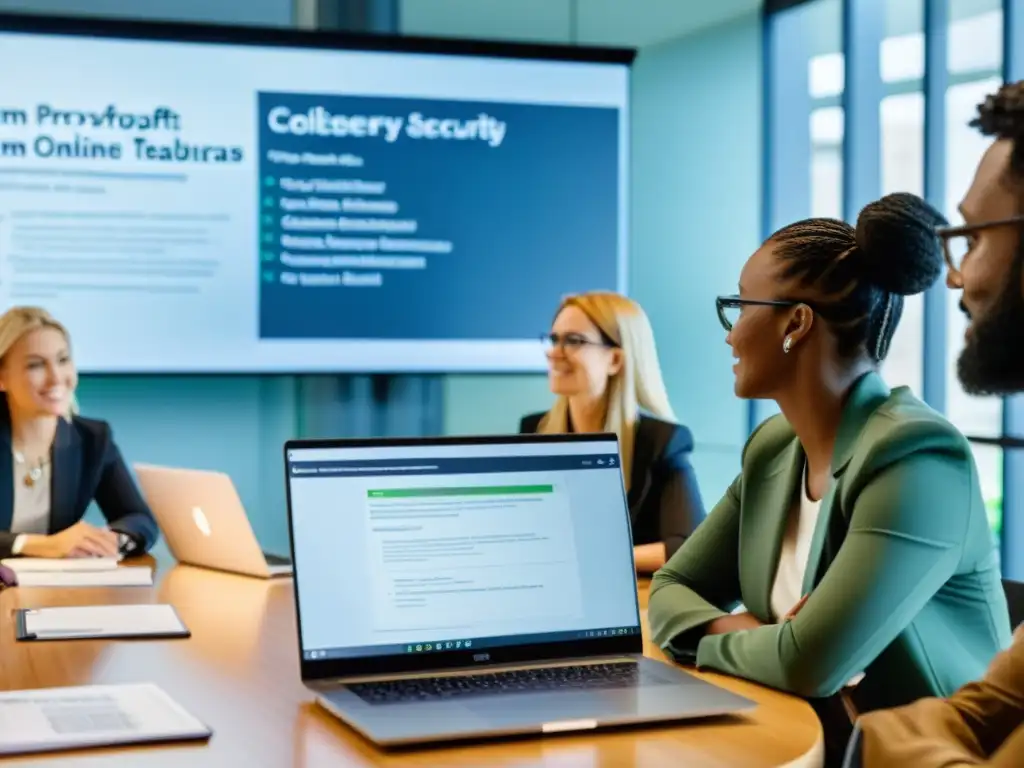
368 233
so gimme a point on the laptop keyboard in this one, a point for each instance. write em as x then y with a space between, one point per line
276 559
582 677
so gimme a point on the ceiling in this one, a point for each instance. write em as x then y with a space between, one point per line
628 23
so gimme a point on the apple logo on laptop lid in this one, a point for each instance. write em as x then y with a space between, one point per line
200 520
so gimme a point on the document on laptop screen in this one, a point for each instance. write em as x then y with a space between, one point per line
518 542
494 548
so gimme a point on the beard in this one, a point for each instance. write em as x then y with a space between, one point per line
992 362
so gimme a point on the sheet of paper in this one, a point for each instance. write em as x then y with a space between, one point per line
102 621
135 576
92 716
26 564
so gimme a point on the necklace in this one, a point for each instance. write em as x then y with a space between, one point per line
35 472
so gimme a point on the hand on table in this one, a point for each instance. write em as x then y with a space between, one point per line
737 622
80 540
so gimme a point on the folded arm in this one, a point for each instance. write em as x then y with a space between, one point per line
700 582
903 544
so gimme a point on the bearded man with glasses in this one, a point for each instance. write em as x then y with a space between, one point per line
983 723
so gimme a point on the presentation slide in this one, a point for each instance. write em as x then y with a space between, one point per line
207 207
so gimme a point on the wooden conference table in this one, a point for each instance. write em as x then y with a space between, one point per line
239 674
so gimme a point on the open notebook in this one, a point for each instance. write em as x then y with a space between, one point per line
52 719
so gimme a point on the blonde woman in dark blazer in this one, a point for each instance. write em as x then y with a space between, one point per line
603 369
58 462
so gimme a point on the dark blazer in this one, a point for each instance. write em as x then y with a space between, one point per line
86 466
664 500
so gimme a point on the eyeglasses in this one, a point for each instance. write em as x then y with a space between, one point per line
957 242
571 342
729 307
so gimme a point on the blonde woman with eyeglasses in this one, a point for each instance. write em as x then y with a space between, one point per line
603 369
57 461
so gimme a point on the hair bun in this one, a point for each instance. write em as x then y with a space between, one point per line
898 247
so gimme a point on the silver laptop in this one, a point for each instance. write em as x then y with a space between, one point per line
452 588
204 522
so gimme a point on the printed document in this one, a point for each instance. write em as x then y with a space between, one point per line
92 716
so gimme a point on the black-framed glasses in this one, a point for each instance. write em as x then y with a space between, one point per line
958 242
571 342
729 307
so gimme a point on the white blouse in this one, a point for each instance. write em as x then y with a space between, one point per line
796 549
31 502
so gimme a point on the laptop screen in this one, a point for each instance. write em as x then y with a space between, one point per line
426 548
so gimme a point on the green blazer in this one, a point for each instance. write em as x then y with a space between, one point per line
903 573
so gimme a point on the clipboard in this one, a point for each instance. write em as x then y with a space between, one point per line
99 622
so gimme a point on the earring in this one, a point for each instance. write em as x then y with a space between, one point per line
787 344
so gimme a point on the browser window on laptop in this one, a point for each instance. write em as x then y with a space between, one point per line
424 549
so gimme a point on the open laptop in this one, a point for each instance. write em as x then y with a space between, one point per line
204 522
451 588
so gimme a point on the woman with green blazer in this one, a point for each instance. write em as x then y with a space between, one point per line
853 552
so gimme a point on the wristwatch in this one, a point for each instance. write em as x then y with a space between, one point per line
19 542
126 543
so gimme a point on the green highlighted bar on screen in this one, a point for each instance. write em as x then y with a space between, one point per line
474 490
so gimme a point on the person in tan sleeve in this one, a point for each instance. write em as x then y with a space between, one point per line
983 722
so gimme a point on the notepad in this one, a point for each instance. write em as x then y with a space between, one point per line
92 716
99 621
25 564
134 576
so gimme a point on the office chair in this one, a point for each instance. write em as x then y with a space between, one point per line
1014 601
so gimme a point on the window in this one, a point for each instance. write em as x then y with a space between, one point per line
989 459
901 114
974 64
827 162
804 122
826 74
816 137
974 72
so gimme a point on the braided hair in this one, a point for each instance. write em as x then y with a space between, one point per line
1001 116
862 273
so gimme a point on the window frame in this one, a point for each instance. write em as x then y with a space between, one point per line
787 101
